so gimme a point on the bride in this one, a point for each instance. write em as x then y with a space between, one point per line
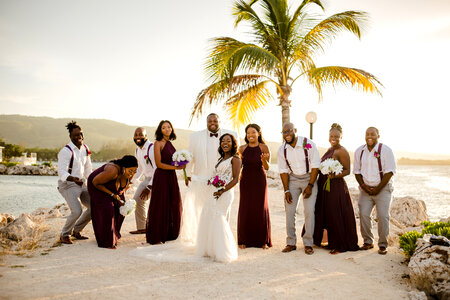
214 238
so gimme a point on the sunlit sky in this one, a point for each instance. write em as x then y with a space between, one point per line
138 62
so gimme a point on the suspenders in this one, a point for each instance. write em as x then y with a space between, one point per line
69 170
380 169
148 156
306 157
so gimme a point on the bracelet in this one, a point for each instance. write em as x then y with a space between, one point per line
149 187
287 191
311 184
112 195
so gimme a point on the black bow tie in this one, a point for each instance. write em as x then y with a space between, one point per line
213 134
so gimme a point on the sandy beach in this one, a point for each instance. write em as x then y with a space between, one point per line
83 270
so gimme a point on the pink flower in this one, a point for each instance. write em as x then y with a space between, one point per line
376 154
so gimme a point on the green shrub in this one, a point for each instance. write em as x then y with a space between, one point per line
408 242
437 228
10 164
47 163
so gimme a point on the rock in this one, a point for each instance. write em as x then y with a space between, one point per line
408 211
18 229
417 295
429 269
5 219
14 170
3 169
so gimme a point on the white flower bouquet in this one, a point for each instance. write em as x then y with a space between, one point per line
328 166
128 207
181 158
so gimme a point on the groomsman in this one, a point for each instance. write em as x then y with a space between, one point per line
374 165
146 167
204 145
298 163
74 167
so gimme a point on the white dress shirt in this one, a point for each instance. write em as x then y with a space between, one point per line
296 157
367 166
144 168
82 166
212 149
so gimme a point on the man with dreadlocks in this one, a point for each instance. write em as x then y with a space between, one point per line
74 167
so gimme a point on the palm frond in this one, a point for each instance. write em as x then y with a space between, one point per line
229 55
299 10
242 106
224 89
334 75
325 31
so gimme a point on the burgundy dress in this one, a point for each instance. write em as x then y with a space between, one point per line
164 212
334 212
106 218
253 217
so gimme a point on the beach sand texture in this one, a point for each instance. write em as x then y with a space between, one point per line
84 271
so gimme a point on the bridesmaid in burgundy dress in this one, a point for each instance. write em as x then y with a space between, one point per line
334 209
106 187
253 216
164 212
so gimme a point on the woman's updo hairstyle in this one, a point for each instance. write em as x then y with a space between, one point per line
337 127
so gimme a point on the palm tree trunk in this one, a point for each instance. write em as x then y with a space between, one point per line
285 104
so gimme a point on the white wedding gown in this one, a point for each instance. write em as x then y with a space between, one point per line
213 237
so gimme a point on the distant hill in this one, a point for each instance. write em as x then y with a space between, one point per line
45 132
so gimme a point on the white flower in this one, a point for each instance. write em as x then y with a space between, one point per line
128 207
182 156
330 165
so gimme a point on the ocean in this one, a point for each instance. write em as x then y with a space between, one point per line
23 194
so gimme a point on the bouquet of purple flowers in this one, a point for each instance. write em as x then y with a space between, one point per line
217 182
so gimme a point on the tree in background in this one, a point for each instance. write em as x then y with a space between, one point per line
285 44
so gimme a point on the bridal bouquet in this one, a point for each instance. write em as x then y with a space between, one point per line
181 158
128 207
328 166
217 182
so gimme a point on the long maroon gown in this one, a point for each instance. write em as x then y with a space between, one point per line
334 212
253 217
164 212
106 217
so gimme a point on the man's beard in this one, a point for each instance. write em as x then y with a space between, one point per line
143 141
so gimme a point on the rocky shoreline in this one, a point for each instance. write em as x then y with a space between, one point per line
28 170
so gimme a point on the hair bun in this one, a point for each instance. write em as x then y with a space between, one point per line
337 127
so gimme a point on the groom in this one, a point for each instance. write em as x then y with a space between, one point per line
298 164
204 146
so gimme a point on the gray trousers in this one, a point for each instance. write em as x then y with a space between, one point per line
141 210
382 201
74 194
296 185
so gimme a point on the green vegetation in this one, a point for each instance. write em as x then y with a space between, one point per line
286 40
10 164
408 240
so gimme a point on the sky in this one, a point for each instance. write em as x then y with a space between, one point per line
138 62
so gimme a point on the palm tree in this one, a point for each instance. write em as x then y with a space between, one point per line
283 50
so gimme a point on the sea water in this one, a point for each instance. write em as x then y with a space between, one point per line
23 194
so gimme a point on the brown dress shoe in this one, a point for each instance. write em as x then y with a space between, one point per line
289 248
78 236
382 250
309 250
65 239
139 231
366 246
